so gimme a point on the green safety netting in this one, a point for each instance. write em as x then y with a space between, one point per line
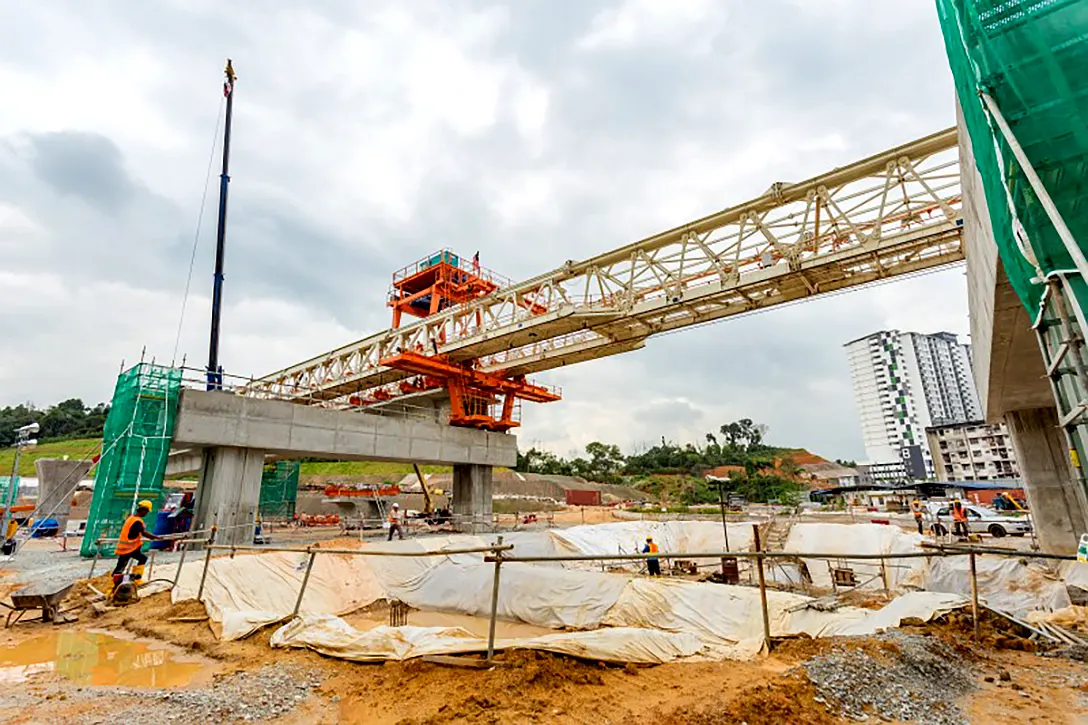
279 490
1031 56
135 447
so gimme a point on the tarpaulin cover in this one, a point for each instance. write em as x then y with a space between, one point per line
1011 585
849 539
334 637
630 537
629 618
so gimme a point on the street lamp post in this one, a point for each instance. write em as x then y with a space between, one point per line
22 440
730 569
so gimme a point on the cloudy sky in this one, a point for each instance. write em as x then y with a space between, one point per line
368 134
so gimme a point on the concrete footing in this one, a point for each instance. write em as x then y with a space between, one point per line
229 493
1059 515
57 480
472 490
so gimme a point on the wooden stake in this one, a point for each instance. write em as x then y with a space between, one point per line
305 581
494 604
762 589
207 560
974 595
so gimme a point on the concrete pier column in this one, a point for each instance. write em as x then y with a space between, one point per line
229 493
57 479
472 489
1059 514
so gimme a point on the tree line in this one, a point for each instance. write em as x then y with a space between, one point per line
68 419
673 470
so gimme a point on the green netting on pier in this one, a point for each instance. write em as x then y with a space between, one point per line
1031 56
279 490
135 447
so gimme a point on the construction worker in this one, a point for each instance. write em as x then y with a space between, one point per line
395 518
959 520
129 542
917 510
653 566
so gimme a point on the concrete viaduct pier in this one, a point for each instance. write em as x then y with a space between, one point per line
233 434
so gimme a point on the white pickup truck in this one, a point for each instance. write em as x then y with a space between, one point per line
980 520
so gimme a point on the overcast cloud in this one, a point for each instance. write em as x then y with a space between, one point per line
368 134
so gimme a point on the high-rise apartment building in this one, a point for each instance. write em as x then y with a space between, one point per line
972 452
905 383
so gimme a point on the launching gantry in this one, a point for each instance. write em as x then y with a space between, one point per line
478 336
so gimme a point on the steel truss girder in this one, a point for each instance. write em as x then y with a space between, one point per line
890 214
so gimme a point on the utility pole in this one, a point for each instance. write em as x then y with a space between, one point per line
215 370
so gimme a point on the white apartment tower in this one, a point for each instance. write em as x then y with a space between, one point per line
905 383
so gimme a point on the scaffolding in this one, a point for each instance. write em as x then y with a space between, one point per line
135 444
279 490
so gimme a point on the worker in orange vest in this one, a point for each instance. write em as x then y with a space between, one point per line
916 509
959 519
129 542
395 517
652 564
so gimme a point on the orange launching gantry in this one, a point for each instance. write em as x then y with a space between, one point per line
477 399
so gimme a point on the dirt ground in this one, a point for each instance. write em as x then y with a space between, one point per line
533 687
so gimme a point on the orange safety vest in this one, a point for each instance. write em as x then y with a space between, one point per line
393 517
959 514
652 547
127 544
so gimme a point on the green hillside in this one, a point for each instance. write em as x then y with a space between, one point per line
359 468
75 449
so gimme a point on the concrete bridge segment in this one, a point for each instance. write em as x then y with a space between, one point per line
233 434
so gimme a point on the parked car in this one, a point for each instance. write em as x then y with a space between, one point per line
980 520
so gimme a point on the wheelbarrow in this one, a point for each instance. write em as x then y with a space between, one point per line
46 596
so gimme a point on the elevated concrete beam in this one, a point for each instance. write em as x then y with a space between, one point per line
211 419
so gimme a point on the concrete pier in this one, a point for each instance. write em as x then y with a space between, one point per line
1041 451
472 491
229 493
57 480
1011 377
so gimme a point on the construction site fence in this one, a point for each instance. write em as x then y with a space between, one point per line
497 553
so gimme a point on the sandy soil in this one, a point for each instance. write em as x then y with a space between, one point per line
533 687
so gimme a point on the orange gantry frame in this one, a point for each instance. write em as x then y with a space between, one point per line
477 399
438 282
474 395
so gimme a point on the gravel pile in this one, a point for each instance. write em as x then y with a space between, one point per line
246 696
910 678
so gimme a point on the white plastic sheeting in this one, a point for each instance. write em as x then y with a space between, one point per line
630 536
643 620
1011 585
334 637
846 539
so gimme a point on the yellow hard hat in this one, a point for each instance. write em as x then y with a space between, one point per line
145 504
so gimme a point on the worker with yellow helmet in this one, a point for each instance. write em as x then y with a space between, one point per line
129 542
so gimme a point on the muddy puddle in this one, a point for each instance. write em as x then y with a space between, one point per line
100 659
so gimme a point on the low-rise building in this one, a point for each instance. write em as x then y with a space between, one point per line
973 451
